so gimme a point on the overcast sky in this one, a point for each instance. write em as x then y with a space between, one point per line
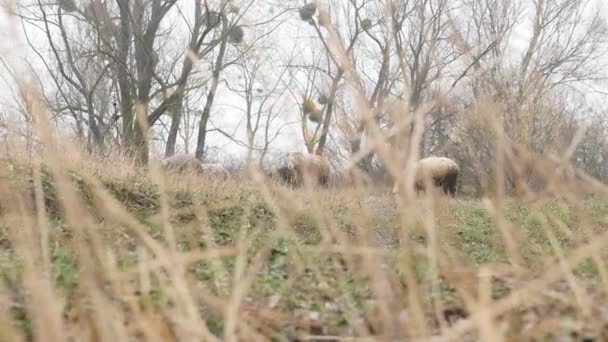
13 48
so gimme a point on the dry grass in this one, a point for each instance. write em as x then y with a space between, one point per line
100 250
180 258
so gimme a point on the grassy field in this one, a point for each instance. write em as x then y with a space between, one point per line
127 256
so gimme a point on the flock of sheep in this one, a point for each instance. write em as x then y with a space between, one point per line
182 163
297 168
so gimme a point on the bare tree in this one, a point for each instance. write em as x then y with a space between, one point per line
400 51
324 74
205 20
129 41
89 49
189 117
562 56
78 72
263 96
234 35
118 68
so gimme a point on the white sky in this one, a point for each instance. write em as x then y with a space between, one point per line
13 48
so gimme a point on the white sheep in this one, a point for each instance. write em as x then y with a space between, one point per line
298 164
215 169
441 172
183 163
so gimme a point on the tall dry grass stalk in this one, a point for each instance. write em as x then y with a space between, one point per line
123 262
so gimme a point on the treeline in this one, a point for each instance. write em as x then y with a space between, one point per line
468 79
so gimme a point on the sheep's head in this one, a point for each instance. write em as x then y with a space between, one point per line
294 159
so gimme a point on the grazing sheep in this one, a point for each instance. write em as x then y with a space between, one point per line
214 169
443 172
299 164
182 163
286 174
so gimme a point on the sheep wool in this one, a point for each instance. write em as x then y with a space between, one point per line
320 167
299 164
182 163
441 171
215 170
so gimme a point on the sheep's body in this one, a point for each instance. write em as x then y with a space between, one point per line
214 169
182 163
441 171
297 165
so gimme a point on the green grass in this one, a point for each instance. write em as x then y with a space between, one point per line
293 280
476 234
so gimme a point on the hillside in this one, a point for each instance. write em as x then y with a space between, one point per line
264 261
486 117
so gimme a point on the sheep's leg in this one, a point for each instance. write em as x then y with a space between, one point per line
450 184
440 183
450 189
419 188
453 187
323 180
445 185
293 177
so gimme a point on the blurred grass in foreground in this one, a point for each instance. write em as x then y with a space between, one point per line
302 266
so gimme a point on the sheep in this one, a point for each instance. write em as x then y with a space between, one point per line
214 169
298 164
285 174
442 171
183 163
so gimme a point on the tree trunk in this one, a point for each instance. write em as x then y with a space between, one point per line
328 113
202 133
176 118
122 71
202 128
97 141
140 145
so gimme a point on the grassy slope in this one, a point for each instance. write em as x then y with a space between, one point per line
297 289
